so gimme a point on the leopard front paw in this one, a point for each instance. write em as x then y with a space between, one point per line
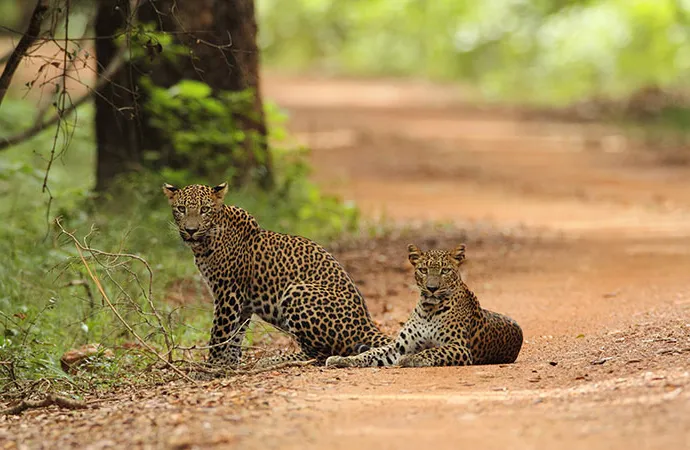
222 363
413 361
339 361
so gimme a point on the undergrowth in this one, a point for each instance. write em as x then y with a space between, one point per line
49 303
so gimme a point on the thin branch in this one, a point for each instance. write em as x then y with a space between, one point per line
25 135
60 104
60 85
87 288
23 46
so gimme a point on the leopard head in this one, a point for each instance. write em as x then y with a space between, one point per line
437 272
194 208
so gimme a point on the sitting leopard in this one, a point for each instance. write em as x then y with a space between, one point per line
288 281
447 327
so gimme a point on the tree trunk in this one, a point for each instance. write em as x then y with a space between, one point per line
221 38
118 116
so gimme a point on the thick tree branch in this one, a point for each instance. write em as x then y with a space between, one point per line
24 45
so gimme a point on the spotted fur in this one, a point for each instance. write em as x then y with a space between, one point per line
288 281
448 327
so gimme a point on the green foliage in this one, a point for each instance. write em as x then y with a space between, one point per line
204 130
536 50
145 44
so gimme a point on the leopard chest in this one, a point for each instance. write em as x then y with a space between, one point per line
442 326
424 330
222 274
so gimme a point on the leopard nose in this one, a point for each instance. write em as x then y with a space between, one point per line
432 289
191 231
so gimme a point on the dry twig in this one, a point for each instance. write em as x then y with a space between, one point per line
148 293
87 288
99 286
51 399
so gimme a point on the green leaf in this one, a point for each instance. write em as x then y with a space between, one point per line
190 89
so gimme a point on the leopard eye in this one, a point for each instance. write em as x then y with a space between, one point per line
445 271
423 270
204 209
181 209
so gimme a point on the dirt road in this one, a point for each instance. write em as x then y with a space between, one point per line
581 238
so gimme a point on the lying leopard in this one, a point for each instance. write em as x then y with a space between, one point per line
448 327
288 281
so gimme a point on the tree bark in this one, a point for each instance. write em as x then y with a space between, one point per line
223 53
118 122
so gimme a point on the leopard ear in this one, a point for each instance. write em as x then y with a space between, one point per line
220 191
414 253
170 191
458 254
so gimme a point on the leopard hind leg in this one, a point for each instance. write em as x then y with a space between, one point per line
328 322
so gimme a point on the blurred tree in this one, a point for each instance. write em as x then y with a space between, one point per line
556 52
213 41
